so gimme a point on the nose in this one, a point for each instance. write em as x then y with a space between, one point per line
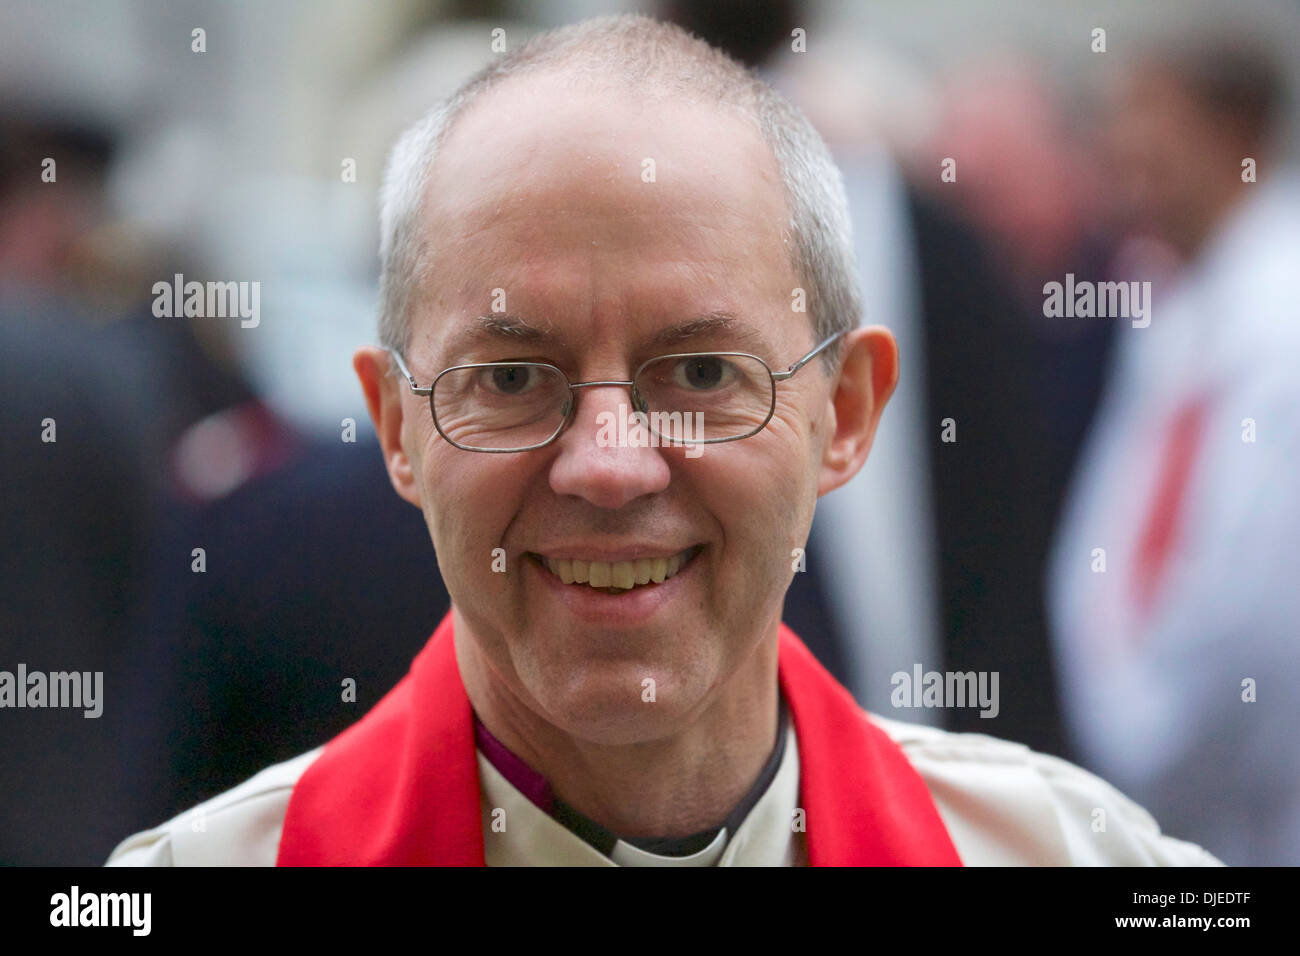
599 460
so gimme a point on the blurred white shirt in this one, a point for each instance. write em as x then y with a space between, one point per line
1154 695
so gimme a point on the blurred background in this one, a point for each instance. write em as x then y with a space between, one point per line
1103 512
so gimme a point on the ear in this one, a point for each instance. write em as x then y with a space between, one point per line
867 376
383 390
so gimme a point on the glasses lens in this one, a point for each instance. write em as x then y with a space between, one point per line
709 397
500 407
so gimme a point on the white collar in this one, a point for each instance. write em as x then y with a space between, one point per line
516 832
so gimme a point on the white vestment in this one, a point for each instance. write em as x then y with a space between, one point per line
1003 805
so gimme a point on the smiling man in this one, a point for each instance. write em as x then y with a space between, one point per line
617 222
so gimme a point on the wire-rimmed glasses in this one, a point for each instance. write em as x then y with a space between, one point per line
685 398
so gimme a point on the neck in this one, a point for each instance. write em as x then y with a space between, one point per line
1202 224
672 785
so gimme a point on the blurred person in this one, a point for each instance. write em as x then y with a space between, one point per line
75 519
51 199
613 684
1172 581
93 392
1027 182
68 256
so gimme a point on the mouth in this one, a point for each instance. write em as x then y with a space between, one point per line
616 577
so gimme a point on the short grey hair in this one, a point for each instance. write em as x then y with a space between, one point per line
635 49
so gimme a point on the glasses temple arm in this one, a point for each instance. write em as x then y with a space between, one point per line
782 376
406 373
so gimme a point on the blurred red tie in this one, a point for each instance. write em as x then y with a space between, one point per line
1165 515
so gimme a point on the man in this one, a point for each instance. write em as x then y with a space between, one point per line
616 211
1172 583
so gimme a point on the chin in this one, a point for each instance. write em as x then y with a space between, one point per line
616 709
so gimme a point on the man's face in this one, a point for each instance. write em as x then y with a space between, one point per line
1172 157
541 192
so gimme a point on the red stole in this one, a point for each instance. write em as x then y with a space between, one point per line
400 787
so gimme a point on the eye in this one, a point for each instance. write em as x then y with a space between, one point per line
702 373
511 379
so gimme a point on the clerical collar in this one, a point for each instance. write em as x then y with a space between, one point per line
706 845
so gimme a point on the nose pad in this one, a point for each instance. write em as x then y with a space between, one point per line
640 402
568 406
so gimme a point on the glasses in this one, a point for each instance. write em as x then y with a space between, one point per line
687 398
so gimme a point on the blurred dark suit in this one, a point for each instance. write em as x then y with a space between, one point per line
73 517
315 574
77 517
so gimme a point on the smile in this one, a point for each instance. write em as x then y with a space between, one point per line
617 577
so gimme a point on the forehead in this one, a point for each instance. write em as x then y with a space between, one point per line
604 195
535 134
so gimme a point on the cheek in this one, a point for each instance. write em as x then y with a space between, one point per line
795 442
792 455
468 505
756 498
762 492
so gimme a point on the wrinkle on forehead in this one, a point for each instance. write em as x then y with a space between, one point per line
508 145
528 180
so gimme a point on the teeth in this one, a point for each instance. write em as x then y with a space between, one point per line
622 574
617 575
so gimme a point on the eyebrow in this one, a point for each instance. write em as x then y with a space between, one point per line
713 325
502 328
